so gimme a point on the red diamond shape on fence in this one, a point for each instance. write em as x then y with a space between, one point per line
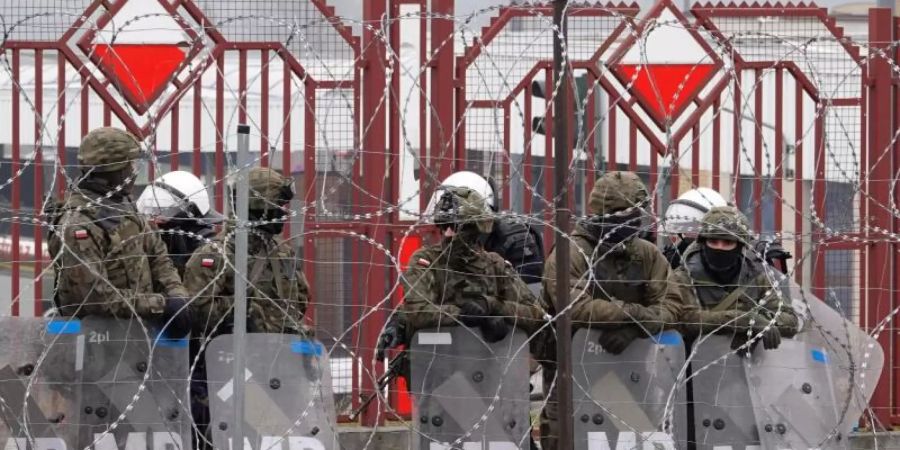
665 64
666 88
141 46
141 70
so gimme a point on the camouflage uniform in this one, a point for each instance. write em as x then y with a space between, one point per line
108 259
277 291
442 279
621 288
751 301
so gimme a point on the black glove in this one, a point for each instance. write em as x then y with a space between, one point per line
771 338
176 319
616 341
738 343
392 337
472 314
494 329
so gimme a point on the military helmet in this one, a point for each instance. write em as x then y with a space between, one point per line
727 223
108 149
269 189
616 191
461 205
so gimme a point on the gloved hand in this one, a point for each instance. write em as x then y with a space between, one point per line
770 338
390 338
739 341
471 314
616 341
494 329
176 319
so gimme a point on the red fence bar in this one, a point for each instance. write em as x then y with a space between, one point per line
198 131
779 146
374 166
38 166
444 136
173 159
695 155
286 168
612 161
527 164
738 125
16 188
264 146
757 150
220 133
61 123
880 293
716 144
798 175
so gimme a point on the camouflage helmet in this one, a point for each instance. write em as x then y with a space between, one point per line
727 223
616 191
108 149
269 189
461 205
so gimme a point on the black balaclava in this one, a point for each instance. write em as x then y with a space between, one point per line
674 252
274 217
181 246
723 265
120 181
614 229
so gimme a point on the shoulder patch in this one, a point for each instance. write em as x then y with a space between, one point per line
81 233
207 262
423 262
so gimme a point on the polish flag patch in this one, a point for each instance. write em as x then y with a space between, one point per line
81 234
207 262
423 262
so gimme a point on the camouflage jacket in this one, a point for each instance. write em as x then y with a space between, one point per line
277 291
108 259
615 288
756 292
432 296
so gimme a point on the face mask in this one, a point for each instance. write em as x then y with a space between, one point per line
275 217
615 229
723 265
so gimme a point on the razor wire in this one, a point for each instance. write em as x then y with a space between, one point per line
337 212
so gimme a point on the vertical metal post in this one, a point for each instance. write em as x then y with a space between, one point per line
561 144
240 282
880 280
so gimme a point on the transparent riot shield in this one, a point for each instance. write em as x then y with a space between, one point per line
630 398
723 411
134 387
791 389
825 380
468 393
39 383
288 401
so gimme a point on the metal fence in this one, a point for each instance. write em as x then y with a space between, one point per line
369 107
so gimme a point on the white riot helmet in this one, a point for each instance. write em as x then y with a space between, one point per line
177 194
464 179
683 216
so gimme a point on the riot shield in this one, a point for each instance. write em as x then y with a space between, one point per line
468 393
39 383
791 389
630 398
825 380
287 393
723 411
134 387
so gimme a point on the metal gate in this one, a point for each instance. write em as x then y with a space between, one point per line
369 107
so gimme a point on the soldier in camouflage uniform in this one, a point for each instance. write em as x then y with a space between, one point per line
726 288
458 282
618 282
108 259
277 292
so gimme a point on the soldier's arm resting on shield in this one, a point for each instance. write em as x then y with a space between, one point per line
209 282
84 286
422 306
588 311
519 305
663 299
695 320
776 309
